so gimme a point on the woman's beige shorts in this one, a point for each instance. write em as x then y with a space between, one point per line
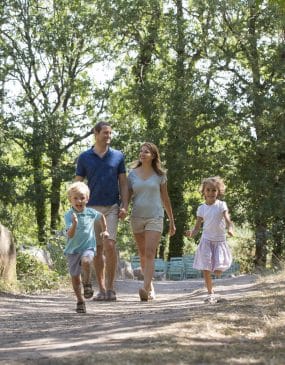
140 225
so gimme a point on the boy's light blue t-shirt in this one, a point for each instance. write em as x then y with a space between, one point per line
147 201
84 237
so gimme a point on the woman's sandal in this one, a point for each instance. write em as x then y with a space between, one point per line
80 307
143 295
88 291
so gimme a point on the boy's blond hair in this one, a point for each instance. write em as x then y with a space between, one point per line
216 181
78 187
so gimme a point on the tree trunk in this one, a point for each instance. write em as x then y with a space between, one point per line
40 198
55 195
260 246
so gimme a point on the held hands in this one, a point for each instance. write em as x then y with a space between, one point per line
104 234
122 213
188 233
172 228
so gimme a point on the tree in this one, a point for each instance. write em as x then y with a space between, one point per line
52 53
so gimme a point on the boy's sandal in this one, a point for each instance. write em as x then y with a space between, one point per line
88 291
80 307
100 296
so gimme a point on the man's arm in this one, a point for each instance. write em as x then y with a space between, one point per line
124 192
78 178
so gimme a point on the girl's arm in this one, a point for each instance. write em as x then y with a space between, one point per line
104 233
195 230
71 230
168 208
229 224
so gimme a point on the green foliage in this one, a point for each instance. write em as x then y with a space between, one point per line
243 248
33 275
203 80
56 244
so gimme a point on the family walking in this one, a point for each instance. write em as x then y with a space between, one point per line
92 221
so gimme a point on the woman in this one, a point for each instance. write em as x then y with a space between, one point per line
148 191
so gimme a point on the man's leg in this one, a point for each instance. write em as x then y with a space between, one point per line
99 264
111 263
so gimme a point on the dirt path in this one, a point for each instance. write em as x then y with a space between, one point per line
44 329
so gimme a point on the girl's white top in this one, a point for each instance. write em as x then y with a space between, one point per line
214 224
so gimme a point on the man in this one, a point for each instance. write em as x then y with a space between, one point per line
104 169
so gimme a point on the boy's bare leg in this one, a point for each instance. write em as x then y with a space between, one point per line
76 284
86 270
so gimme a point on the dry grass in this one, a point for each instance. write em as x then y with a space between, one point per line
178 328
248 329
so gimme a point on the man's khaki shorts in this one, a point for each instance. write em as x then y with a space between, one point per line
111 214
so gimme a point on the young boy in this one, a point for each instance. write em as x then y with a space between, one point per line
81 242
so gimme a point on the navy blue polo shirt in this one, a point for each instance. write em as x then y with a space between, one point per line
102 175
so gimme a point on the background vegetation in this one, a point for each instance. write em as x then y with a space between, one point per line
204 80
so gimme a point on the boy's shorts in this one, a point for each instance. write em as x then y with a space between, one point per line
74 261
140 225
111 214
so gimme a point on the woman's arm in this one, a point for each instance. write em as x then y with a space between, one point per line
168 208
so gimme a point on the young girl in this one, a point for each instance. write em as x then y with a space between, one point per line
81 242
213 253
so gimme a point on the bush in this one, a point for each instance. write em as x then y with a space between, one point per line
33 275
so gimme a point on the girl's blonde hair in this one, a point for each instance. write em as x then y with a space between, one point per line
156 162
78 187
216 181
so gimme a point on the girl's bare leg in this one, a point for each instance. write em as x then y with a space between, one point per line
208 281
218 273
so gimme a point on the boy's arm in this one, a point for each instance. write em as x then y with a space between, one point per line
72 229
195 230
229 224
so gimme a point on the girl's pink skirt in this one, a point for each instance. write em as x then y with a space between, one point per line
212 256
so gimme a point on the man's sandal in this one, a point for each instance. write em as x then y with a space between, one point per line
88 291
80 307
111 295
100 296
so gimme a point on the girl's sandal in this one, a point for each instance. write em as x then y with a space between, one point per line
80 307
